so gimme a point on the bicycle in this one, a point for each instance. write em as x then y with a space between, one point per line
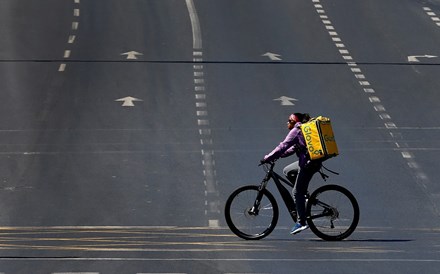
252 212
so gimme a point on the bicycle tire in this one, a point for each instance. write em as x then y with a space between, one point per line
238 213
338 218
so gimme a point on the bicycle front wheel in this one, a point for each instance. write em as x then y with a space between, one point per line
333 213
246 220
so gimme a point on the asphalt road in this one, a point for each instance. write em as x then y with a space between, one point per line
125 125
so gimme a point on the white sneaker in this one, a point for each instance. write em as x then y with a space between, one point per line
298 228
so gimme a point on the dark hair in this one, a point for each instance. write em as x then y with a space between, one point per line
303 117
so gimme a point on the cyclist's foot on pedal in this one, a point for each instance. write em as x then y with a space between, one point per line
298 228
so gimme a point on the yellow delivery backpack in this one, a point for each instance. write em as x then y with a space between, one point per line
319 137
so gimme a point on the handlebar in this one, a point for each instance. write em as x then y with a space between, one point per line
268 163
268 166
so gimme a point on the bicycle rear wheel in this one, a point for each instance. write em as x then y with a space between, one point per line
244 219
333 213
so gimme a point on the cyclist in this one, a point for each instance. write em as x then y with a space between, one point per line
300 172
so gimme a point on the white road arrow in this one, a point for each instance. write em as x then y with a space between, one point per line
272 56
131 55
414 58
128 101
285 101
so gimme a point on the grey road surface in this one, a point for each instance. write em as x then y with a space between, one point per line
125 125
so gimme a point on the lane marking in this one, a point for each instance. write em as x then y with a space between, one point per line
128 101
85 227
72 37
432 15
132 55
62 68
374 99
212 203
75 25
379 108
67 53
384 116
390 125
421 178
415 58
195 24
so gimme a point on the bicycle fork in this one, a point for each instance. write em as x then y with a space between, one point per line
255 210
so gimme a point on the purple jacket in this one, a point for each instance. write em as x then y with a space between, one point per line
293 143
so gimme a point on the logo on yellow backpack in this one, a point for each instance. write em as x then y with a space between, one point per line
319 137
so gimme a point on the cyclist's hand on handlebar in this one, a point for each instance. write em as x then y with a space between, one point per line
265 161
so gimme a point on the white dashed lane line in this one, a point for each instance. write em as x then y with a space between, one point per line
72 37
421 178
433 15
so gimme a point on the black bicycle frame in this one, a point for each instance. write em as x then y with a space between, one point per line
287 197
284 192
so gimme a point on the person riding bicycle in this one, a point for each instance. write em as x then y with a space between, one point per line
300 172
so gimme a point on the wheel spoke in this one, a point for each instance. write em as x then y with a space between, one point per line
334 214
247 222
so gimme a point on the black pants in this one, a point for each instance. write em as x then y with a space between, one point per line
303 178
